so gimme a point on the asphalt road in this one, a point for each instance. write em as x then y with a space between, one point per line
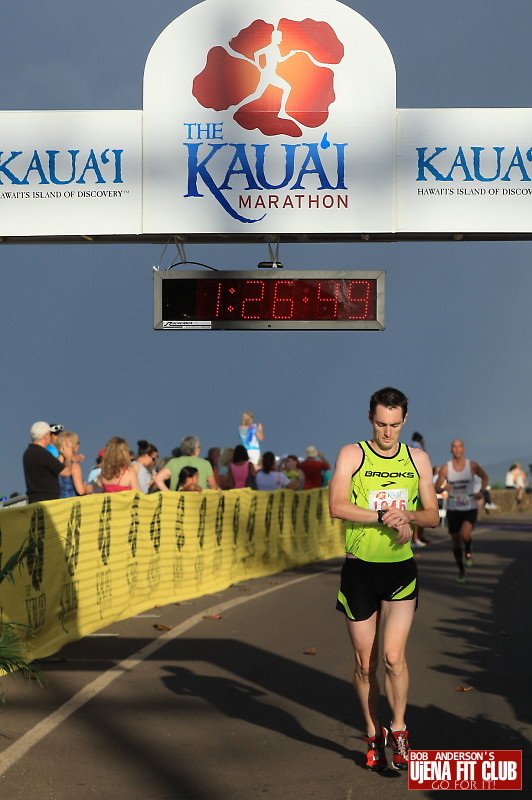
236 707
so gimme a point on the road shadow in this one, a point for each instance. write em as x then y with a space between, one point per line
245 682
494 647
241 700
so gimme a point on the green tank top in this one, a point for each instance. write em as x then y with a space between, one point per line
382 479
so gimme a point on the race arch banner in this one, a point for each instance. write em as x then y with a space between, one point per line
105 557
266 117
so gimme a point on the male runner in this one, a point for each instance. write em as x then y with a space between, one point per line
378 487
457 477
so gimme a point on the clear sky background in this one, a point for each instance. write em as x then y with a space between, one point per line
76 320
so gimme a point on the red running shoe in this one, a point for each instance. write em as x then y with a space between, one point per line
376 759
400 748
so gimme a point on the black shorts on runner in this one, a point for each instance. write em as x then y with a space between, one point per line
365 584
456 518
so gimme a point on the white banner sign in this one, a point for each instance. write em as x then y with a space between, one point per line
70 173
464 170
266 117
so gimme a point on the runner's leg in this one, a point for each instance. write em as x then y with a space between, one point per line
466 531
457 550
396 621
364 635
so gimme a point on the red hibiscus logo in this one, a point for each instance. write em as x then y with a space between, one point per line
274 77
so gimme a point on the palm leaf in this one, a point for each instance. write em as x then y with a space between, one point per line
14 655
6 571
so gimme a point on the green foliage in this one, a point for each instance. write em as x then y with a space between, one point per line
13 561
14 655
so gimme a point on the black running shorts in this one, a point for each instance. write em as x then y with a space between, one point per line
364 585
456 518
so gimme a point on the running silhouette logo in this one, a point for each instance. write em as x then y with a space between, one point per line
275 79
236 520
134 526
219 526
155 527
72 538
35 548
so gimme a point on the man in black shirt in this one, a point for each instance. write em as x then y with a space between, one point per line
41 468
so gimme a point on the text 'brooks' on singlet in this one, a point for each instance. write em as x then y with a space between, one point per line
380 482
461 488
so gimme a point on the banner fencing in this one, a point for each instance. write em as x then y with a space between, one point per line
105 557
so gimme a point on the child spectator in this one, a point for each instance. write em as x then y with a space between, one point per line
293 472
188 480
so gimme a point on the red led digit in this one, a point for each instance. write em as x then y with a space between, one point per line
246 300
359 293
278 308
327 312
218 299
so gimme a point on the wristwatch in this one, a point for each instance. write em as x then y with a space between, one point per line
380 512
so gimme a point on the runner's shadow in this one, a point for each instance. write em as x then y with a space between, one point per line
496 647
245 702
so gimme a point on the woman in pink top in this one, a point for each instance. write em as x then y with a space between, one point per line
118 474
241 470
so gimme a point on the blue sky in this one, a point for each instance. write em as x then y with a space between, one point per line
76 320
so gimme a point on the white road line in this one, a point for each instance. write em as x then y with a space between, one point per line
15 751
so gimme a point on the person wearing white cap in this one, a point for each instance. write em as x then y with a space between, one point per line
41 468
55 430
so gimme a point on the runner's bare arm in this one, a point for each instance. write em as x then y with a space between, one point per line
482 474
348 461
442 478
427 492
477 470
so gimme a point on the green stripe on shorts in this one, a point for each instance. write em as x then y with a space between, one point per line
406 591
342 599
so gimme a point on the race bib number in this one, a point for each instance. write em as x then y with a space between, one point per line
461 502
389 498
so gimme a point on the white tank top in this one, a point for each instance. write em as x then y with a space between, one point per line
462 490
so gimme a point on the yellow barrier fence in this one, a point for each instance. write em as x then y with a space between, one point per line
97 559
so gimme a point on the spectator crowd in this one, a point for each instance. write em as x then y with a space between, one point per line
53 465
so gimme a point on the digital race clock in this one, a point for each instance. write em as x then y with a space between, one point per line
277 299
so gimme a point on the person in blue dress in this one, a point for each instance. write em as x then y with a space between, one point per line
251 435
